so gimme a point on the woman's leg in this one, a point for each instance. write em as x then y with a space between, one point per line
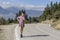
21 30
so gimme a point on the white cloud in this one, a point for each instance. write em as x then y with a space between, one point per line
6 4
34 7
52 0
25 6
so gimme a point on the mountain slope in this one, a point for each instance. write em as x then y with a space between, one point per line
11 12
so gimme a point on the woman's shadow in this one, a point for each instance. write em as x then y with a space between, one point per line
36 36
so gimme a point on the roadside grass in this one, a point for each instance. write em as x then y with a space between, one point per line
1 30
54 23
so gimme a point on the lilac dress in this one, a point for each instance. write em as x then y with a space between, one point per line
21 21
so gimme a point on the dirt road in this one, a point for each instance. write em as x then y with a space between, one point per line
38 32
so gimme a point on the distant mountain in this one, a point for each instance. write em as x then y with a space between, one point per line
34 13
2 11
11 11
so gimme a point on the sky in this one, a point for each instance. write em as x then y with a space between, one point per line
27 4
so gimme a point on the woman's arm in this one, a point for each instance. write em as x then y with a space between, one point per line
18 18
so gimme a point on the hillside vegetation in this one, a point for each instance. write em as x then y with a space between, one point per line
29 19
51 12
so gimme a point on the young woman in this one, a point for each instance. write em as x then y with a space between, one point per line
21 20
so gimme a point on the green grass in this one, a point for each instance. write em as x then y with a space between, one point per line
1 30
